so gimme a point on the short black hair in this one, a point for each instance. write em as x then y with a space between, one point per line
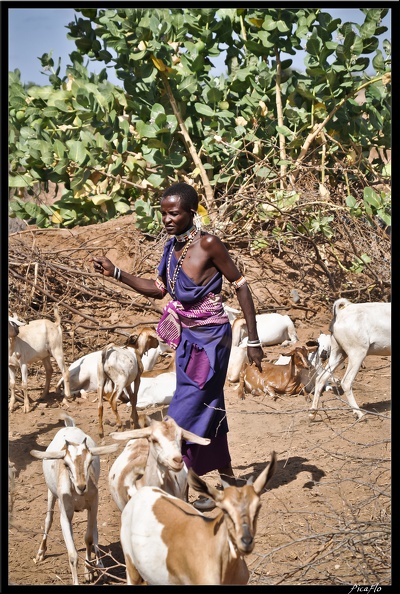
187 194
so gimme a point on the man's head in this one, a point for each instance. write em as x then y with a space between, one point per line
189 199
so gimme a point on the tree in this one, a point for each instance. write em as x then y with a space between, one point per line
115 148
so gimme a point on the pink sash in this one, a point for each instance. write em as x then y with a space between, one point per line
207 311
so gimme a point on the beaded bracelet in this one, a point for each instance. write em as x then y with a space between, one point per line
117 273
239 282
160 285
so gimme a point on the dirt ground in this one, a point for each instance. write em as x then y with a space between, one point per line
326 515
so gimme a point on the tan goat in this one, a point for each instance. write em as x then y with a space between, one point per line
37 341
167 542
281 379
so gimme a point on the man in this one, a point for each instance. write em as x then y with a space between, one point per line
194 323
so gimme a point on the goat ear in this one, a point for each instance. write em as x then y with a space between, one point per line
225 484
263 478
132 339
47 455
131 434
197 484
189 436
102 450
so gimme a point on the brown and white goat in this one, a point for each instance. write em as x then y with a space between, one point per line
167 542
152 457
71 467
275 379
119 370
37 341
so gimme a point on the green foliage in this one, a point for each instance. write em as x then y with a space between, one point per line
148 219
372 205
114 148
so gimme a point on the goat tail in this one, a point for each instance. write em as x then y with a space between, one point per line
69 421
338 305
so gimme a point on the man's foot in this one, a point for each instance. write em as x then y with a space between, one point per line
204 503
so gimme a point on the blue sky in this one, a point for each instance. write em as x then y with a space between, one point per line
36 31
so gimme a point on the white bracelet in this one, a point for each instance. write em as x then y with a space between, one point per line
254 343
117 273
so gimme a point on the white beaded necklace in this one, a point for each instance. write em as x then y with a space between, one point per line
189 237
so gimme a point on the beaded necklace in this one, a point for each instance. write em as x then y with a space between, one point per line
189 237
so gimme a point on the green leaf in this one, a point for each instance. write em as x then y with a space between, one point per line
77 151
214 95
351 202
146 130
371 197
156 110
19 181
204 109
27 133
62 106
156 180
284 130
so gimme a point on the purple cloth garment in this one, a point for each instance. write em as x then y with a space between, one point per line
202 357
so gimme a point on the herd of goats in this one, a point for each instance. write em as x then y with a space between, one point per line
149 481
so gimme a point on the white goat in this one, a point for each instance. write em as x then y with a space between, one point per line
272 328
152 457
71 468
231 312
167 542
316 357
358 330
157 386
156 391
37 341
237 359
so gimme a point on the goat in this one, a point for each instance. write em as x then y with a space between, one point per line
152 457
166 541
273 379
122 367
272 328
156 388
148 342
37 341
319 351
156 391
237 359
231 312
83 372
358 330
71 467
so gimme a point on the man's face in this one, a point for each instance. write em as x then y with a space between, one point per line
175 219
